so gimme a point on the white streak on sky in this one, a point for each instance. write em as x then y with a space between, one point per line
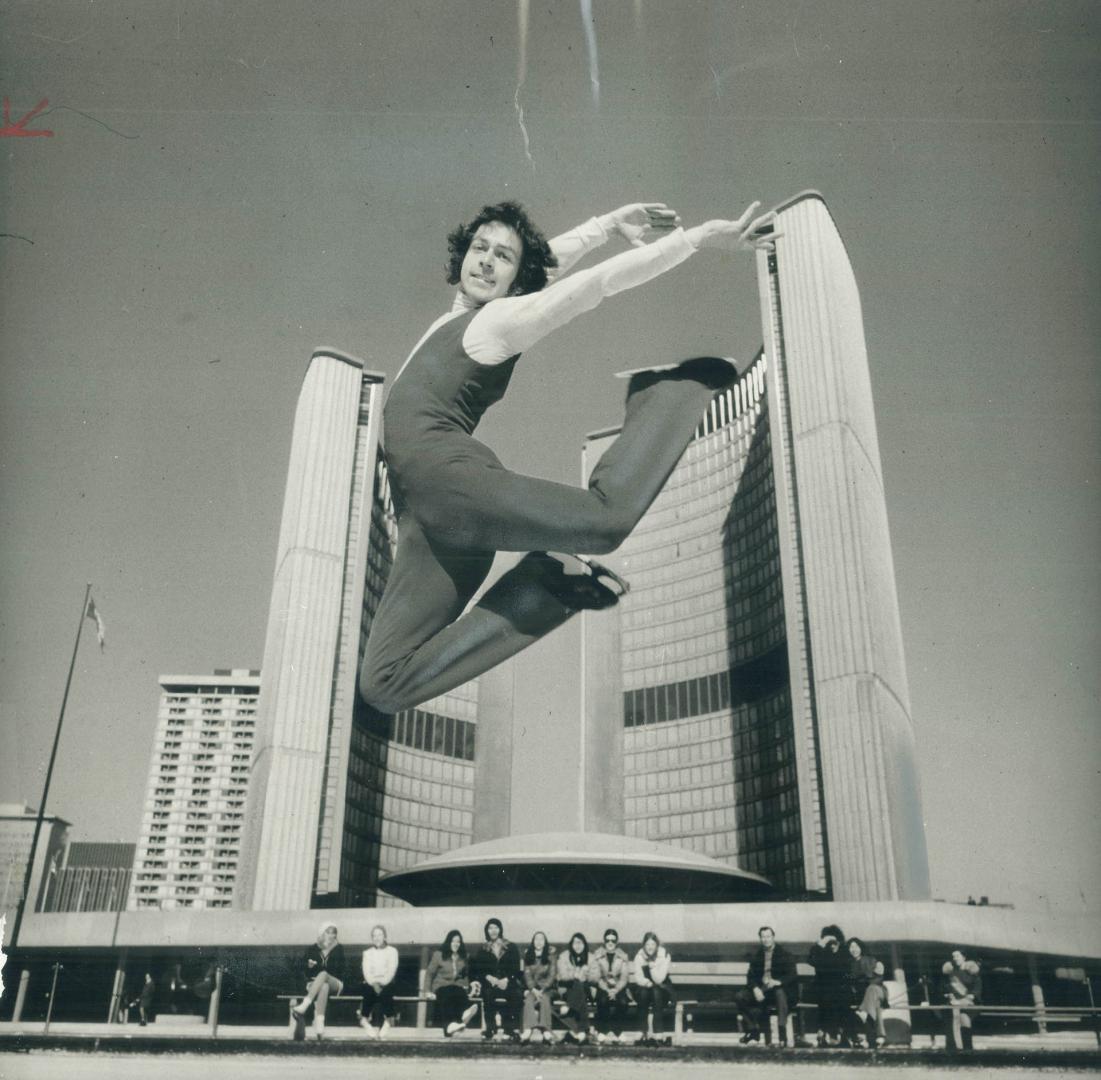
590 42
522 74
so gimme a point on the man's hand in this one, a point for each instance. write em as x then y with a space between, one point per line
743 234
758 994
636 221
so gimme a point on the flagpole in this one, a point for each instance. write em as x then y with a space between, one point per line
49 774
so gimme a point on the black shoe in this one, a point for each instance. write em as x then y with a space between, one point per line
580 584
488 1033
750 1036
715 372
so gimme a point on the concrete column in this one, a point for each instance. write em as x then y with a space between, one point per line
117 988
600 742
897 972
215 1002
1037 994
493 754
899 999
53 994
422 989
602 718
20 996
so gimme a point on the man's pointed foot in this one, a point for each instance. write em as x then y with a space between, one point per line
716 372
584 584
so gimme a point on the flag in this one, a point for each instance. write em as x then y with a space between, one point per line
94 615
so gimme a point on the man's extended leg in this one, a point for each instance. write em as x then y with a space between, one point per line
419 645
480 505
420 648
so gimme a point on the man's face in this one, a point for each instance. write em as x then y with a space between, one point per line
957 958
610 943
494 931
767 938
491 262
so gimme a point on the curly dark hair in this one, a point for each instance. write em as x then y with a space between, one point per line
535 260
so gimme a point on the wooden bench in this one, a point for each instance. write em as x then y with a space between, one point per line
1038 1014
404 999
724 973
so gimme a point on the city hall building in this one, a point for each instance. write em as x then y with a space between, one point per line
751 687
746 753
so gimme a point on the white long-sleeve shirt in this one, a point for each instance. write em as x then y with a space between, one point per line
510 324
380 965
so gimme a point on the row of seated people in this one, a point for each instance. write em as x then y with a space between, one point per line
524 992
521 993
848 989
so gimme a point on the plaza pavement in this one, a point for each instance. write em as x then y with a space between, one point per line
467 1054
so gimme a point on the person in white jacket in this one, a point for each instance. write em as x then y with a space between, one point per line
652 988
380 965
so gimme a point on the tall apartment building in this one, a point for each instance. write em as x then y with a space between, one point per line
752 683
189 847
341 793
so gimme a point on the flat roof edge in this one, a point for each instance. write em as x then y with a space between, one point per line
346 358
801 196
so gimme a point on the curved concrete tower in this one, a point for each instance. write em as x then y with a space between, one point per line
308 682
844 635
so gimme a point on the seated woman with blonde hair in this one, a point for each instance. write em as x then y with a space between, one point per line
380 965
324 964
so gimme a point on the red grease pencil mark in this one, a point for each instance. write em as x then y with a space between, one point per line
19 128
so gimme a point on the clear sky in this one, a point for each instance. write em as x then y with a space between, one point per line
229 185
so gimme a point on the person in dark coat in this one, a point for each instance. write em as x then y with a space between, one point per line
962 986
770 983
867 991
831 988
497 969
144 1000
324 971
572 976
